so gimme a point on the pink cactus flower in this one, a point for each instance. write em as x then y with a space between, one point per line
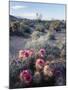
21 54
26 53
26 76
27 50
42 52
31 52
39 64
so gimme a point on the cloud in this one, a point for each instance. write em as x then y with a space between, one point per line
18 7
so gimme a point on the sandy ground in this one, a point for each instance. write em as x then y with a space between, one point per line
16 44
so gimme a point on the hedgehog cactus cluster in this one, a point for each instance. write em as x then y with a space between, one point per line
40 65
38 73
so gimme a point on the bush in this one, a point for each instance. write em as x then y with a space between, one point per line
52 37
25 28
40 28
54 25
36 35
15 25
40 41
47 24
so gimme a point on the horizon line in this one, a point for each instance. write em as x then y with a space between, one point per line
36 18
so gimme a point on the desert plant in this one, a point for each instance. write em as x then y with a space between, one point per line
54 25
40 27
38 17
52 37
24 28
40 41
25 71
36 35
47 24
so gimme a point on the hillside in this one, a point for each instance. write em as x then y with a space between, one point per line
24 27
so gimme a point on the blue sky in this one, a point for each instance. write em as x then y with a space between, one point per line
29 10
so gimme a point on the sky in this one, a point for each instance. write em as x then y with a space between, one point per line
28 10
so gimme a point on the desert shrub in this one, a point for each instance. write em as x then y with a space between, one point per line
63 24
15 26
60 43
47 24
24 28
36 34
36 44
52 51
63 54
52 37
40 27
39 42
56 52
54 25
19 29
15 29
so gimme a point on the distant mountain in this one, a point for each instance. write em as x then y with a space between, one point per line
13 18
